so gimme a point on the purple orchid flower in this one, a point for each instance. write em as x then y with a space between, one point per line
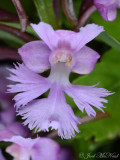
107 8
37 149
63 52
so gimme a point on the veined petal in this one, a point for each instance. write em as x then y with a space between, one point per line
47 34
44 149
31 85
87 96
86 34
107 9
51 112
86 59
35 56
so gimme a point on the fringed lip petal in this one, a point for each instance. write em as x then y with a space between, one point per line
35 56
54 112
87 96
31 85
86 59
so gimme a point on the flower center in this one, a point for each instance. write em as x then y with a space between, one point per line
61 55
60 73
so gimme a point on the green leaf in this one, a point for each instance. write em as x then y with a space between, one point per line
112 28
46 12
107 72
29 29
105 37
10 39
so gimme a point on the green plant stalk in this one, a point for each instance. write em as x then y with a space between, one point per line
46 12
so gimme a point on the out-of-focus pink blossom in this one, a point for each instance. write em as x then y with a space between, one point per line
107 8
37 149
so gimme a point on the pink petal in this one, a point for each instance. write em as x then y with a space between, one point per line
107 9
73 40
22 147
87 96
18 152
18 129
31 85
44 149
51 112
35 56
86 34
37 149
10 114
6 134
23 142
47 34
86 60
2 126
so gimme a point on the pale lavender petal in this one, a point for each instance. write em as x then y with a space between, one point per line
1 156
45 149
37 149
75 41
8 115
47 34
6 134
87 96
86 60
107 9
2 126
18 152
18 129
31 85
35 56
23 142
51 112
22 147
86 34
